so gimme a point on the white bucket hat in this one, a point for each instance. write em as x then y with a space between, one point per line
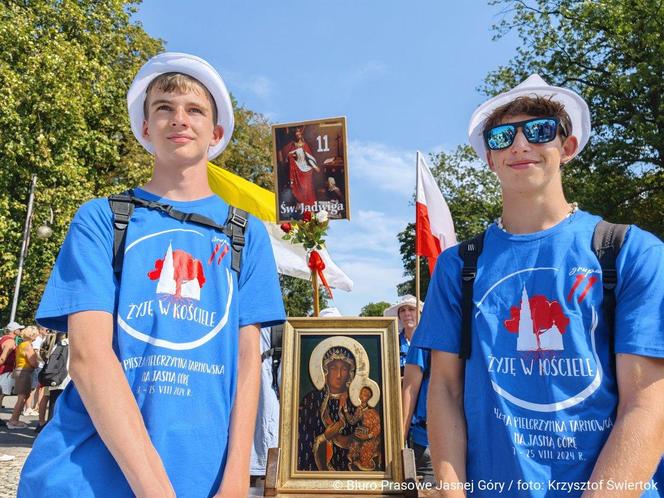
406 300
14 326
575 106
175 62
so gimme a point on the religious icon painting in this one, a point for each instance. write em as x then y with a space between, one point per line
341 405
311 168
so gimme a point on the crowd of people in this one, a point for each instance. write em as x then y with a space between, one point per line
519 369
23 353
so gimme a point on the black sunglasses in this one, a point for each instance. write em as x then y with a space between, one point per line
536 131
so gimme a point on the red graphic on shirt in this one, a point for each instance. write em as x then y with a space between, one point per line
221 253
579 279
182 268
545 314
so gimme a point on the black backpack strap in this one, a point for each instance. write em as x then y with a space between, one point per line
608 238
276 339
234 228
168 210
122 206
469 251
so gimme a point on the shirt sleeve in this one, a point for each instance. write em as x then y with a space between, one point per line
440 325
82 278
639 313
259 292
416 356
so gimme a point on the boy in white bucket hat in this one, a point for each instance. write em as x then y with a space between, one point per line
546 331
164 331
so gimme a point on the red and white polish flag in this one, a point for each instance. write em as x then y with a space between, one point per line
434 228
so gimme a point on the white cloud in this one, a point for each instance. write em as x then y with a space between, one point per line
385 168
368 232
375 280
257 84
367 250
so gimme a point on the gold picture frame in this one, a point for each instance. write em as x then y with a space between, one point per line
310 162
340 407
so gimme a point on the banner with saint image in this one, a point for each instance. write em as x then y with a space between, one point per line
311 168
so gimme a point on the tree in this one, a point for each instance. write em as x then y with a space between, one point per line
298 296
611 54
249 152
65 70
472 193
374 309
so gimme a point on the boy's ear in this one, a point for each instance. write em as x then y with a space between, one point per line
144 130
570 145
217 135
492 167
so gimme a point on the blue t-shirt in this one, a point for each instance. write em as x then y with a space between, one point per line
177 317
540 394
418 430
404 344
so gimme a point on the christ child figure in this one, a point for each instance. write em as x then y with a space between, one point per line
366 437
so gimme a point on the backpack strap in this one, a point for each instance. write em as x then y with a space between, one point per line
608 238
276 339
469 251
234 228
123 205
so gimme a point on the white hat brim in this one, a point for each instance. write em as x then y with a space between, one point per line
575 106
394 309
175 62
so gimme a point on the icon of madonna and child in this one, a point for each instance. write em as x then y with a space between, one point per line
339 427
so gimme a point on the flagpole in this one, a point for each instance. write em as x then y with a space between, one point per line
417 256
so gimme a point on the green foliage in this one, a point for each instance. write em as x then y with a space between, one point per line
374 309
298 296
64 72
309 232
612 53
472 193
248 153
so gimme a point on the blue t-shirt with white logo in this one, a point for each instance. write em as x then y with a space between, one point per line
177 316
540 392
418 430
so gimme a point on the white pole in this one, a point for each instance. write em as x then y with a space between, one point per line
417 257
24 248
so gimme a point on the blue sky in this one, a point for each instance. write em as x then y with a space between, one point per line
404 73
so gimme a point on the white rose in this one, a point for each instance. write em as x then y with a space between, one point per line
321 216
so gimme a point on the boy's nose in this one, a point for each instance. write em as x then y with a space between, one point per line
179 116
520 141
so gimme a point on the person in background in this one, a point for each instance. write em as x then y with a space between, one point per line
404 309
8 359
30 408
414 404
26 361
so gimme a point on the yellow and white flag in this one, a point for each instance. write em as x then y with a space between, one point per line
291 259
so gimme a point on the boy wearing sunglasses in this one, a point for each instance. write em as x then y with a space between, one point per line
550 401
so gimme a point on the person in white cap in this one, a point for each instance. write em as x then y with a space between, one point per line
415 367
164 333
537 381
405 309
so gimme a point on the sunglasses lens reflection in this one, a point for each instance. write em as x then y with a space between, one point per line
536 131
